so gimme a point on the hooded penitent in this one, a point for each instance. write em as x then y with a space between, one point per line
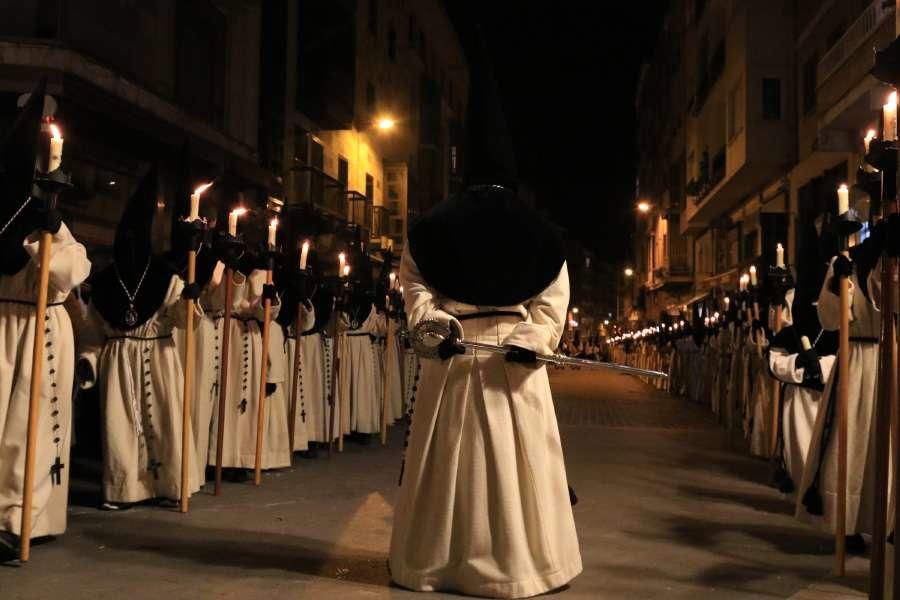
19 152
130 290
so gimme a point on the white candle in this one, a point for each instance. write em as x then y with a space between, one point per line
889 111
843 199
342 260
195 201
393 279
304 254
346 271
779 256
804 341
727 302
870 135
56 148
233 220
273 228
753 279
401 290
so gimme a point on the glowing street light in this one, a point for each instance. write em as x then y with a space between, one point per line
643 206
629 271
385 123
575 310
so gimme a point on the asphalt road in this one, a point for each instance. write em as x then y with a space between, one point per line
669 508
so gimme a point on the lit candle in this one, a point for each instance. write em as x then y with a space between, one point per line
727 302
401 290
304 254
804 341
195 201
843 199
56 148
342 260
890 118
870 135
779 256
273 228
393 278
753 279
233 219
346 271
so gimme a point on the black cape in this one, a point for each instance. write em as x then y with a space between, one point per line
486 247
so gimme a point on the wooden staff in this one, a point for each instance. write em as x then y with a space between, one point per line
263 373
386 379
34 407
840 530
776 388
292 416
186 441
223 376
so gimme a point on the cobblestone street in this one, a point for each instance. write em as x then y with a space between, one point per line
667 509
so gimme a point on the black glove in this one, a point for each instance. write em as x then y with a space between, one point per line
842 267
270 389
48 219
522 356
191 292
229 249
270 293
84 372
450 347
808 360
190 233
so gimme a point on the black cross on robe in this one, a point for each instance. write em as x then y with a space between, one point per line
56 472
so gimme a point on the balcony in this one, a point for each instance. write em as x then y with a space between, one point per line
312 185
857 34
359 211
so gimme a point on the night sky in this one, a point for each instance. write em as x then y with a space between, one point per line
567 73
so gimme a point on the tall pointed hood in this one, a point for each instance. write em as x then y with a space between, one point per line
490 156
18 154
135 268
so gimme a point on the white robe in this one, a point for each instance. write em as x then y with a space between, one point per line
207 363
865 321
311 415
244 369
359 379
483 508
69 266
141 381
276 436
800 408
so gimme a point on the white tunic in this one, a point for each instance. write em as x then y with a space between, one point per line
141 381
865 322
483 507
276 438
312 412
244 369
358 374
69 266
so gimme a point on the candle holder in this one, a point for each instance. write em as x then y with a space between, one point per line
52 185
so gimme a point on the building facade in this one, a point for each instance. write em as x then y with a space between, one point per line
750 116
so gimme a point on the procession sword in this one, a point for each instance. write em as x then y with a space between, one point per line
429 334
51 184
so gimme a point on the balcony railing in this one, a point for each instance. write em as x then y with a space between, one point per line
314 186
380 221
359 211
869 21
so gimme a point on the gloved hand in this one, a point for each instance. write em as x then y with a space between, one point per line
229 249
84 372
451 346
842 267
523 356
49 219
270 293
270 389
191 292
808 360
190 233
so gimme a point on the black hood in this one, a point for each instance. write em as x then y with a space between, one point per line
18 155
486 247
132 253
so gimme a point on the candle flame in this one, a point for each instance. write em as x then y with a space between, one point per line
342 258
870 135
843 187
892 100
305 245
238 212
346 270
273 223
200 189
392 276
753 268
54 130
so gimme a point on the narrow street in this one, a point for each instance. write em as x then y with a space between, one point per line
666 510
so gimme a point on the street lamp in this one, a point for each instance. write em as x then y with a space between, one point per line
385 123
628 272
